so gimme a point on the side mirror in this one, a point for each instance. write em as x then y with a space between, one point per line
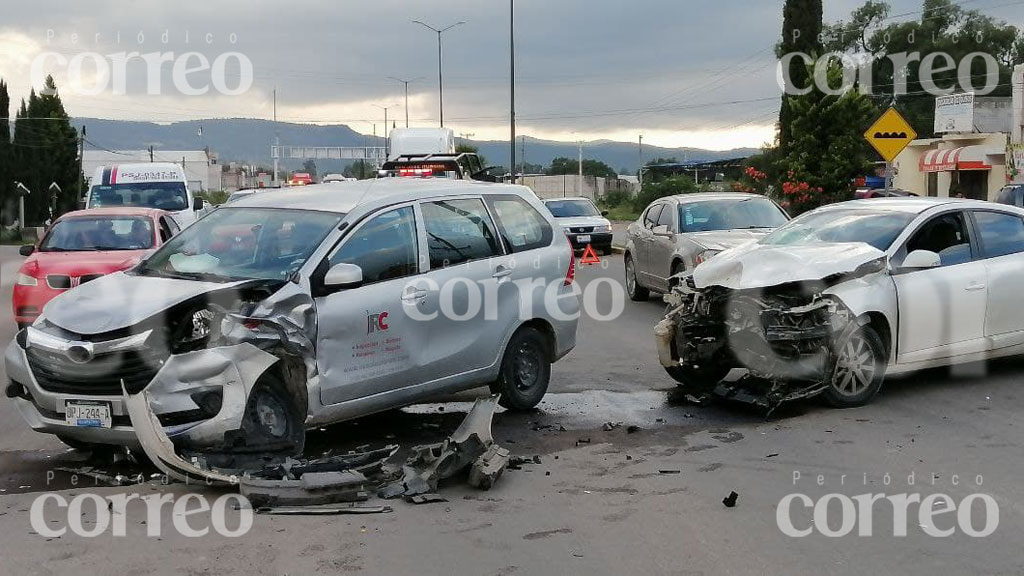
921 260
198 204
26 250
604 212
343 275
661 230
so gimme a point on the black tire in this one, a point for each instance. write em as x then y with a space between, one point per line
636 292
607 250
860 369
703 379
272 420
525 370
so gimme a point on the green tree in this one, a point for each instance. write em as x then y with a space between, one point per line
46 151
827 150
668 186
595 168
944 26
6 156
801 32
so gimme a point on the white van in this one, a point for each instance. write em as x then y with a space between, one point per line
160 185
421 141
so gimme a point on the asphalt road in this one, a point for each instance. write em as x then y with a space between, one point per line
607 501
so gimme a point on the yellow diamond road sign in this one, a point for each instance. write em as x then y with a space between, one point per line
890 134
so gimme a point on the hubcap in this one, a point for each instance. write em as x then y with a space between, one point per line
855 367
630 276
526 367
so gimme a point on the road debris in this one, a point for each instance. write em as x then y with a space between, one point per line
323 510
311 489
730 500
425 498
469 446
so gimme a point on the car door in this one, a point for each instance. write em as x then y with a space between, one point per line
369 339
467 263
1001 236
942 310
645 237
662 246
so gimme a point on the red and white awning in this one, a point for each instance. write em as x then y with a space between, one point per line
949 159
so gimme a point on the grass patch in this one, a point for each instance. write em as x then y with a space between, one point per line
623 212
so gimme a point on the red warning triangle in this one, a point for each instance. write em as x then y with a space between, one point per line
589 256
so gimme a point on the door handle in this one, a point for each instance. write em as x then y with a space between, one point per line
502 272
411 295
975 287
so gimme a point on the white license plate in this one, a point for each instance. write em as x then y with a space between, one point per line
85 414
583 239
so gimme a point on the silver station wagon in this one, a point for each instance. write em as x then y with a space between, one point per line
298 308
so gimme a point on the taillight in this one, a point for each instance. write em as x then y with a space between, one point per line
570 275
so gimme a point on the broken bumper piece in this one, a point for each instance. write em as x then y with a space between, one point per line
470 446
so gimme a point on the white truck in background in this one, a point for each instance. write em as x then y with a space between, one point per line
421 141
160 185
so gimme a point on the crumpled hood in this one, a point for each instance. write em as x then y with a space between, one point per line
582 221
764 266
725 239
121 300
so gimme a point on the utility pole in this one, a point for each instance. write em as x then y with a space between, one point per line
81 160
512 86
440 77
406 82
150 153
580 176
277 140
640 170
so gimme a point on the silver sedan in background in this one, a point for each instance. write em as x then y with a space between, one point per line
676 233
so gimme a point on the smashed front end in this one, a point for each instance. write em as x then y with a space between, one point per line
195 357
784 334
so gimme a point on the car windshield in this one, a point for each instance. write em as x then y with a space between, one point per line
99 233
733 214
1008 195
242 244
170 196
877 228
572 208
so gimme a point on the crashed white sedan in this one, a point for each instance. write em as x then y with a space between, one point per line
835 299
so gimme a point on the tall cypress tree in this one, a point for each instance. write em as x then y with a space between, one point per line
801 32
46 147
6 159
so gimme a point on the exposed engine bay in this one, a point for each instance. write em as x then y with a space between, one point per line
784 336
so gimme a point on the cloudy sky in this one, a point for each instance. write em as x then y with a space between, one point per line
682 72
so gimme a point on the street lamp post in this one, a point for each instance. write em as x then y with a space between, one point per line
387 144
440 77
406 82
512 87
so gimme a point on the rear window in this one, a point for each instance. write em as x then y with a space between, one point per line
1010 195
522 227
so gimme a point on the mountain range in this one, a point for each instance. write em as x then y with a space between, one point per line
248 141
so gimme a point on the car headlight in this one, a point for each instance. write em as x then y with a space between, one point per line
600 229
198 328
705 256
26 280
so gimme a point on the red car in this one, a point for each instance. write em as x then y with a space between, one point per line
82 246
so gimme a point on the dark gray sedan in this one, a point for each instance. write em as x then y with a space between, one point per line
676 233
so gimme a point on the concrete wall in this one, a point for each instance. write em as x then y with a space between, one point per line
571 185
993 114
